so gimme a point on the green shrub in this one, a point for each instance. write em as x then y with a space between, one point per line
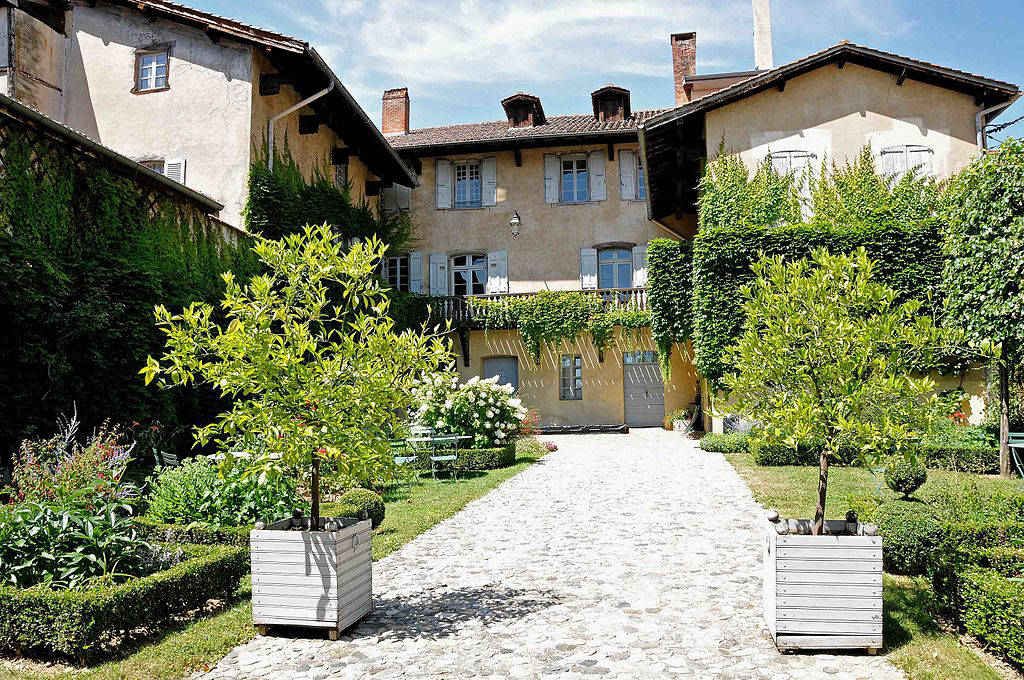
66 547
908 257
197 492
979 460
153 530
669 293
992 609
764 453
910 532
354 502
1007 560
964 544
904 475
730 442
487 459
79 623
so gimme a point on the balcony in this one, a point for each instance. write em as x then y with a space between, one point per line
460 311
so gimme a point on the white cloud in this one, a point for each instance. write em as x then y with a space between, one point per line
494 46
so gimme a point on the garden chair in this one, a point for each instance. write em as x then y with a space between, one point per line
405 457
1016 442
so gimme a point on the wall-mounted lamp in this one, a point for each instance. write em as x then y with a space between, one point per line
514 223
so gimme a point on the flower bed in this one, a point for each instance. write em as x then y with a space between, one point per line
80 622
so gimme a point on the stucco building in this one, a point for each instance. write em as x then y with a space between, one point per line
191 95
586 192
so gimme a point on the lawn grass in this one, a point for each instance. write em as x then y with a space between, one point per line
201 643
914 642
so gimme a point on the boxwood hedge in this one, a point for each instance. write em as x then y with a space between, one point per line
79 623
153 530
478 459
992 608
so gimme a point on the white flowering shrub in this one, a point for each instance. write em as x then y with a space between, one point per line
482 409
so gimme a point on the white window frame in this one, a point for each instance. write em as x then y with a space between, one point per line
468 164
468 268
573 158
618 262
904 151
146 76
396 272
570 377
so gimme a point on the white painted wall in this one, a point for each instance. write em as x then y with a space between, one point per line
204 117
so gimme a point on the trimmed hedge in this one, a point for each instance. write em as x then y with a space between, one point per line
730 442
910 532
777 454
354 502
963 545
980 460
908 257
78 623
477 459
993 609
153 530
669 292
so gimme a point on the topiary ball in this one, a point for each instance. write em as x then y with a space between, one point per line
904 476
356 501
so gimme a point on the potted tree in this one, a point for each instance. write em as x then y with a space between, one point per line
316 374
827 355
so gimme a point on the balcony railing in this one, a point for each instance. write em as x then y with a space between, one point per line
460 309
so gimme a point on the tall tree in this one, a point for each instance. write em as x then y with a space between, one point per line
984 248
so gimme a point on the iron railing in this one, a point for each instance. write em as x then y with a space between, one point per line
460 309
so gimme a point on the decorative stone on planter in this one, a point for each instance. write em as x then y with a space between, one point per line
308 578
823 592
679 425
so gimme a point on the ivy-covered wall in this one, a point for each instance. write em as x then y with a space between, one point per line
669 294
85 253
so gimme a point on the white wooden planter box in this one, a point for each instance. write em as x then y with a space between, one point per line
318 579
823 592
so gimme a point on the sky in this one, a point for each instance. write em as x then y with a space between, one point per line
460 58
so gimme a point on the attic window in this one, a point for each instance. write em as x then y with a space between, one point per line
523 110
611 103
151 70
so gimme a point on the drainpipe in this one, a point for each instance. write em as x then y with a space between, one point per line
979 123
289 110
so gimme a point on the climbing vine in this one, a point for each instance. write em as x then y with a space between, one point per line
282 201
669 292
85 254
549 317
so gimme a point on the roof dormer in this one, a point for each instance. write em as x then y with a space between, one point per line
610 103
523 110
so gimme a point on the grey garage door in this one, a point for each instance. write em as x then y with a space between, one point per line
506 368
644 391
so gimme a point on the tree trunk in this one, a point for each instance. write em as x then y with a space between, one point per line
818 527
1004 411
314 494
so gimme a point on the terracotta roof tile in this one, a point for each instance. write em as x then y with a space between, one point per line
575 124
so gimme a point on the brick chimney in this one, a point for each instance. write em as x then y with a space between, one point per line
394 115
684 63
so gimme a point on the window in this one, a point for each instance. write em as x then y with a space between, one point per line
784 162
341 176
157 166
467 184
644 357
575 182
151 70
506 368
641 188
901 159
469 274
615 268
396 271
571 377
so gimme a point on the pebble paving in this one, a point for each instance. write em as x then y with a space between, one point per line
618 556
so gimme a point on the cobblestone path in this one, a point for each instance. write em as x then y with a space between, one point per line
623 556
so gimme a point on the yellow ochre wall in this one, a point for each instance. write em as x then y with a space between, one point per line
835 112
602 402
311 152
546 255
